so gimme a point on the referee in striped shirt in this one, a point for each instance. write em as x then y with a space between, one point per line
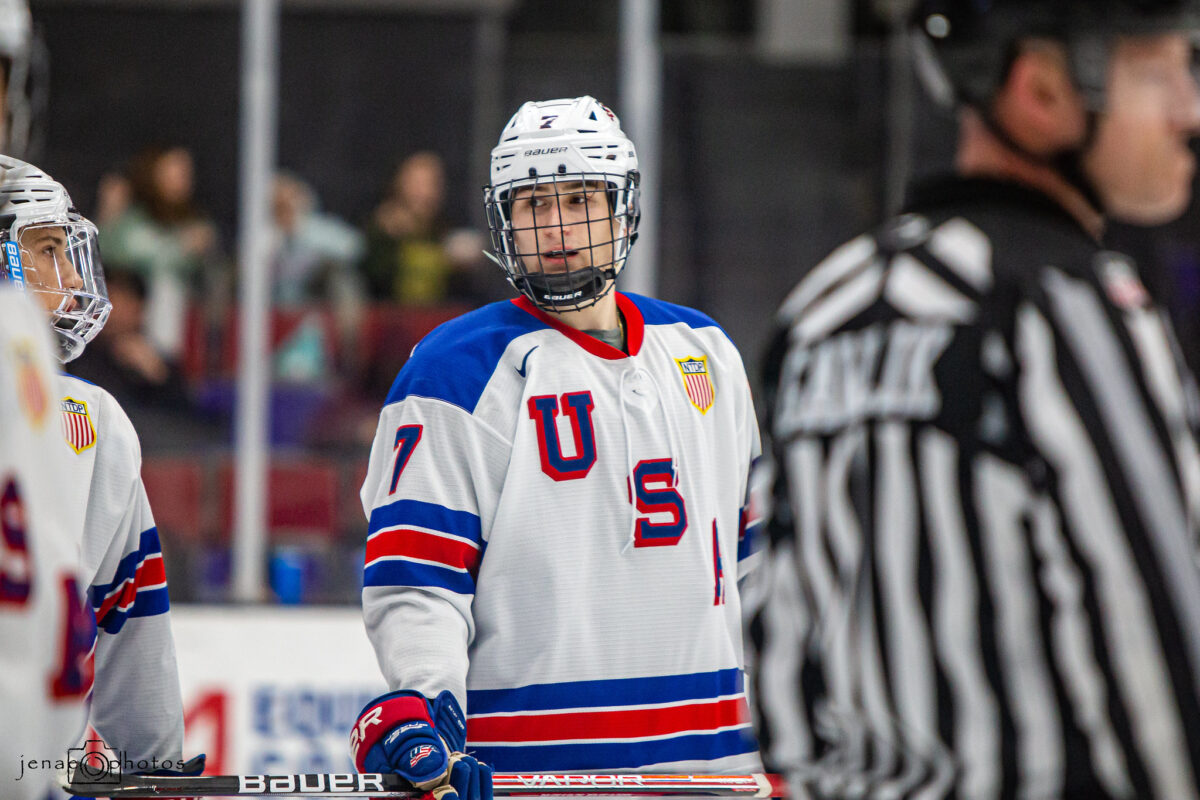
981 578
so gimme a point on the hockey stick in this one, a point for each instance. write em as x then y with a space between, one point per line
393 786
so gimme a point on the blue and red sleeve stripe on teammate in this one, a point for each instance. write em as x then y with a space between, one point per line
138 587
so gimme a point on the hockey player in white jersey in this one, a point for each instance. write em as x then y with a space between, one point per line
45 629
135 706
555 498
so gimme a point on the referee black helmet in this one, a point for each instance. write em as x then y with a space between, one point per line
966 47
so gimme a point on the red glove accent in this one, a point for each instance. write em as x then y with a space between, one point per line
380 718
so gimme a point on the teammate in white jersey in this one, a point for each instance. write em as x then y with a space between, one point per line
556 494
45 629
135 705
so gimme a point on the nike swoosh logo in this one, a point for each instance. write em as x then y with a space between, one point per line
525 360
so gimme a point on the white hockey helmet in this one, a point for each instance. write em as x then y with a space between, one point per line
16 56
563 142
52 252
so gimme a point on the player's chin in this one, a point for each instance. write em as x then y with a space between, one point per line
557 266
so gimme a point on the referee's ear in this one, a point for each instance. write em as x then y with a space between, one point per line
1039 105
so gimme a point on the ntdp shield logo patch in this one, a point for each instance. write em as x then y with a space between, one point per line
77 424
696 382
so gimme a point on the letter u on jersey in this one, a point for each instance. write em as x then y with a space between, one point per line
577 406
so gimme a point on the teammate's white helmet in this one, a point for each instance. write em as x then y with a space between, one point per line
51 251
563 143
16 48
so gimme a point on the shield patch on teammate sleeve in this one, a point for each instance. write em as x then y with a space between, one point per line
77 424
696 382
32 390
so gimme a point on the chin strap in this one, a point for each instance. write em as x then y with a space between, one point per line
1067 163
567 291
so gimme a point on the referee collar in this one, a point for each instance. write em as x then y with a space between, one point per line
958 191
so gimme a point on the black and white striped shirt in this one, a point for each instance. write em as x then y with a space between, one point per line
980 579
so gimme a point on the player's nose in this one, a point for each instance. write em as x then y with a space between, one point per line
554 216
71 278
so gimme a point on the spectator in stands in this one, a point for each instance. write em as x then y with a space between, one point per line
164 238
114 195
123 360
150 387
314 251
406 258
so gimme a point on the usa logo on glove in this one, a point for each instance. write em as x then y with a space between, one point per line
418 753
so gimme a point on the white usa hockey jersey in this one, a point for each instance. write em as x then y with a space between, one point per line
555 536
136 703
45 631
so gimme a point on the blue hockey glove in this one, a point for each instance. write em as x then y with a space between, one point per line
406 734
469 780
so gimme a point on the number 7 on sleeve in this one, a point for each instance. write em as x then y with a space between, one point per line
407 437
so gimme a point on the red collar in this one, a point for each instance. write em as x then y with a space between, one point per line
634 328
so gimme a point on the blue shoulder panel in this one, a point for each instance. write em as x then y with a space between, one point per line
456 360
65 374
660 312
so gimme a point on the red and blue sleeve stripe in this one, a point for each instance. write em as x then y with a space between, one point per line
413 543
749 534
750 519
611 724
138 587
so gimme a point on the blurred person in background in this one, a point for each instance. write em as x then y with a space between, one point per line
45 622
315 252
16 47
555 499
313 263
135 703
114 196
981 576
163 237
122 358
46 629
407 260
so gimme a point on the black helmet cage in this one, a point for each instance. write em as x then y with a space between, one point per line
578 287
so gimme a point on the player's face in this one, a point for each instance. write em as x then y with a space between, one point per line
1140 162
49 271
562 226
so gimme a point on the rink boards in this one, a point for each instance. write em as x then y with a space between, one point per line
273 690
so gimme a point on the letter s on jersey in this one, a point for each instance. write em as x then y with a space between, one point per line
654 492
16 570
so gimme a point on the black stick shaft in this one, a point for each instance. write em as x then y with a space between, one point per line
393 786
